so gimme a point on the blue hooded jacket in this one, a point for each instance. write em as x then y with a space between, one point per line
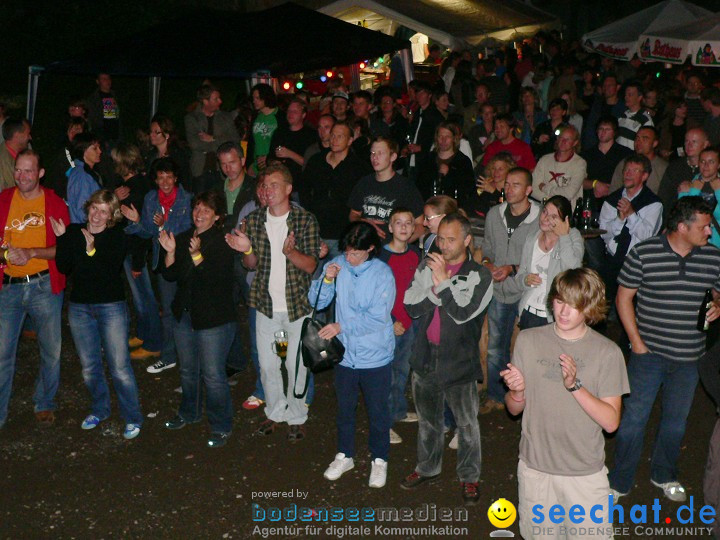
365 298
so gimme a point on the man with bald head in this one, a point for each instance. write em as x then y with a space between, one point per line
684 168
646 143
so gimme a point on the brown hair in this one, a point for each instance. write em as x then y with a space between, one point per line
215 200
444 204
277 167
584 290
127 159
390 143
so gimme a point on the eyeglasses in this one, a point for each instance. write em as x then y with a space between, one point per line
430 218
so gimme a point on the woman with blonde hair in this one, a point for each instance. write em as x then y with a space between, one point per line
435 209
129 165
92 255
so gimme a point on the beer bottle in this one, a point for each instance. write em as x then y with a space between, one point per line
502 195
587 213
702 323
578 214
437 186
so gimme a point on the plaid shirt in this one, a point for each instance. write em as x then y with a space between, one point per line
297 283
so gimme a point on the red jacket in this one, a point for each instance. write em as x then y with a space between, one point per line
55 207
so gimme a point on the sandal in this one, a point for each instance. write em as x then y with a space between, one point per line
268 427
296 433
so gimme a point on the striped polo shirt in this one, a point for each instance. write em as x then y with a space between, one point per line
670 289
628 125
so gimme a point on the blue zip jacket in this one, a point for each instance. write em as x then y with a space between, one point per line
79 189
715 236
365 298
178 220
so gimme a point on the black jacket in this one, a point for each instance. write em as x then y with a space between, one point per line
205 290
462 301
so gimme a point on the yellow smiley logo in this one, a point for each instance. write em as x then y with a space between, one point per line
502 513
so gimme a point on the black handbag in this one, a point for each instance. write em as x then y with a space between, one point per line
318 354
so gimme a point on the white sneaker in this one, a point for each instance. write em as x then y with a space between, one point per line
378 473
453 444
394 437
410 417
672 490
339 466
160 366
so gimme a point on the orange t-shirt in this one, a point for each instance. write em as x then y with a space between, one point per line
25 228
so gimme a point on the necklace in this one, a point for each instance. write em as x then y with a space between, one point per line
566 339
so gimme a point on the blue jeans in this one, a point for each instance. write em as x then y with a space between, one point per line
464 402
35 299
252 317
501 322
647 373
149 328
202 359
375 386
98 328
236 359
167 295
400 371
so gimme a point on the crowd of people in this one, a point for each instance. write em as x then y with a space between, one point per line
368 205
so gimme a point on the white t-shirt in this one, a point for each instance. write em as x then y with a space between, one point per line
418 42
277 230
539 266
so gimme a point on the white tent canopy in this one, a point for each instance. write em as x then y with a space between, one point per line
453 23
620 39
699 39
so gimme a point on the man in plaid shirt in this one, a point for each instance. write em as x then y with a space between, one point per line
282 242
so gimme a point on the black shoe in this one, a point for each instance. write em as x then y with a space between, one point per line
414 480
218 439
470 493
268 427
233 375
176 423
296 433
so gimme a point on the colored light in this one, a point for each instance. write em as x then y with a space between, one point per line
286 85
299 85
362 65
329 74
381 60
323 78
657 75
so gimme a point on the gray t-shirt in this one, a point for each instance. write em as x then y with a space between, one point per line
558 436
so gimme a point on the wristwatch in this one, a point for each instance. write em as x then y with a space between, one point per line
577 386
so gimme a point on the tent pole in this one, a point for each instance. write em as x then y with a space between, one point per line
407 60
354 77
154 95
33 78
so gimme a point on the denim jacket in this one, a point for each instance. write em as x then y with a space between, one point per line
178 220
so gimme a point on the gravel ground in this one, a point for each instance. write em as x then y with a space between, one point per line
63 482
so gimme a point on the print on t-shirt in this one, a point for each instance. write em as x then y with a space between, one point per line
110 108
378 207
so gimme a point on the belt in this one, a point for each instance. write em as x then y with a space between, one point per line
9 280
539 312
